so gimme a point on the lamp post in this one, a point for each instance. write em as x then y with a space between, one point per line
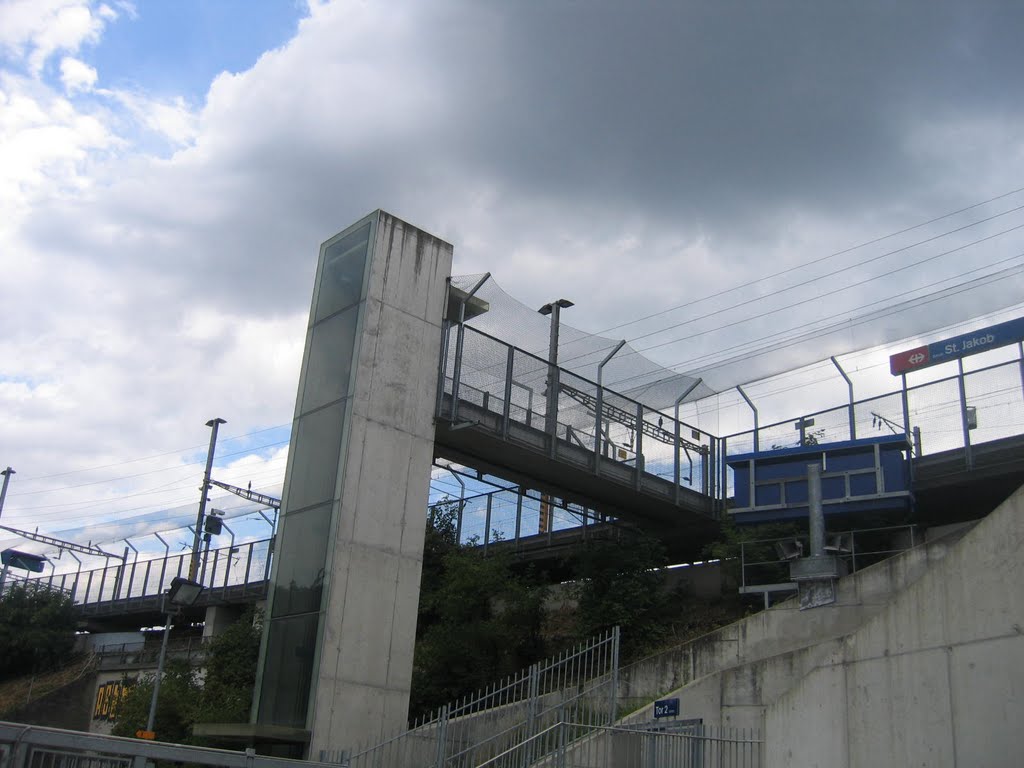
551 418
182 593
3 491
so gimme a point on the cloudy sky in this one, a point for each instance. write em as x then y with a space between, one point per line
167 171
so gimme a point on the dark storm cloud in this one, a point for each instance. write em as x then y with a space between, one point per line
717 119
716 109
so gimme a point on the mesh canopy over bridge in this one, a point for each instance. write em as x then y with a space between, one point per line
629 373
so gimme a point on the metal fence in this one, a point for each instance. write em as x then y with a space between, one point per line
29 746
568 744
560 744
959 412
934 413
481 375
486 375
221 568
579 685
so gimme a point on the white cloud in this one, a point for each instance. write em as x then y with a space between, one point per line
40 28
172 119
146 292
46 144
76 75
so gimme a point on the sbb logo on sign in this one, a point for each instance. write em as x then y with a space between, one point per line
907 361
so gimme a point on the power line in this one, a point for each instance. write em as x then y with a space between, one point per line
804 283
691 362
818 260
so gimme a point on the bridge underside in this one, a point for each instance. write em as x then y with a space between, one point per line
133 612
684 519
945 487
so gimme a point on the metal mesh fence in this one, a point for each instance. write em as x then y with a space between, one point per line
221 568
993 409
484 373
935 410
508 717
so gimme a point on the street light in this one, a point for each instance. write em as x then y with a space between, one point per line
551 418
182 594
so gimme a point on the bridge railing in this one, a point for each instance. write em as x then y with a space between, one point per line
512 516
512 386
220 568
953 413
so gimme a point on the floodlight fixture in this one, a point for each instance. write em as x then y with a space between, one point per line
184 592
547 309
790 549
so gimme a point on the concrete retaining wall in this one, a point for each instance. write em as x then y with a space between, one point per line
936 679
780 630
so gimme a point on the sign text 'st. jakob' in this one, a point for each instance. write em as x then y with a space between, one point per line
957 347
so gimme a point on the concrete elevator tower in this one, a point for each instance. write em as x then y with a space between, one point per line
336 660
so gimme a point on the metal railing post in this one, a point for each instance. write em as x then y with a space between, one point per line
163 564
906 405
849 386
442 737
487 523
675 452
506 414
135 561
613 704
1020 349
519 513
963 413
600 405
754 409
459 343
639 444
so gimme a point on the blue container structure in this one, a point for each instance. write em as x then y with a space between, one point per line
859 477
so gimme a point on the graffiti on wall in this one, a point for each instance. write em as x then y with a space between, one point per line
108 697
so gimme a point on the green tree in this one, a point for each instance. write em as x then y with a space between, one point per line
479 619
230 662
223 695
176 707
620 584
37 629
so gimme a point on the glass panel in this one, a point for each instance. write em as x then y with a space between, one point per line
317 447
330 360
301 561
341 282
288 670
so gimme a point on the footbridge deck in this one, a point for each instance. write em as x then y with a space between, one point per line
589 444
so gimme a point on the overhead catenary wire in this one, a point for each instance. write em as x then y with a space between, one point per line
775 294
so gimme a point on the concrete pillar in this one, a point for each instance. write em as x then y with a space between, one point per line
337 655
219 617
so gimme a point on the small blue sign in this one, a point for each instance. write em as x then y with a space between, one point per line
666 708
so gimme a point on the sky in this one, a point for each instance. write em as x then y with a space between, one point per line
726 170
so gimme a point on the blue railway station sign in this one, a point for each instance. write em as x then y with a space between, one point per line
956 347
23 560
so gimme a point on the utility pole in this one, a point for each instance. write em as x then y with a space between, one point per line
3 491
193 567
